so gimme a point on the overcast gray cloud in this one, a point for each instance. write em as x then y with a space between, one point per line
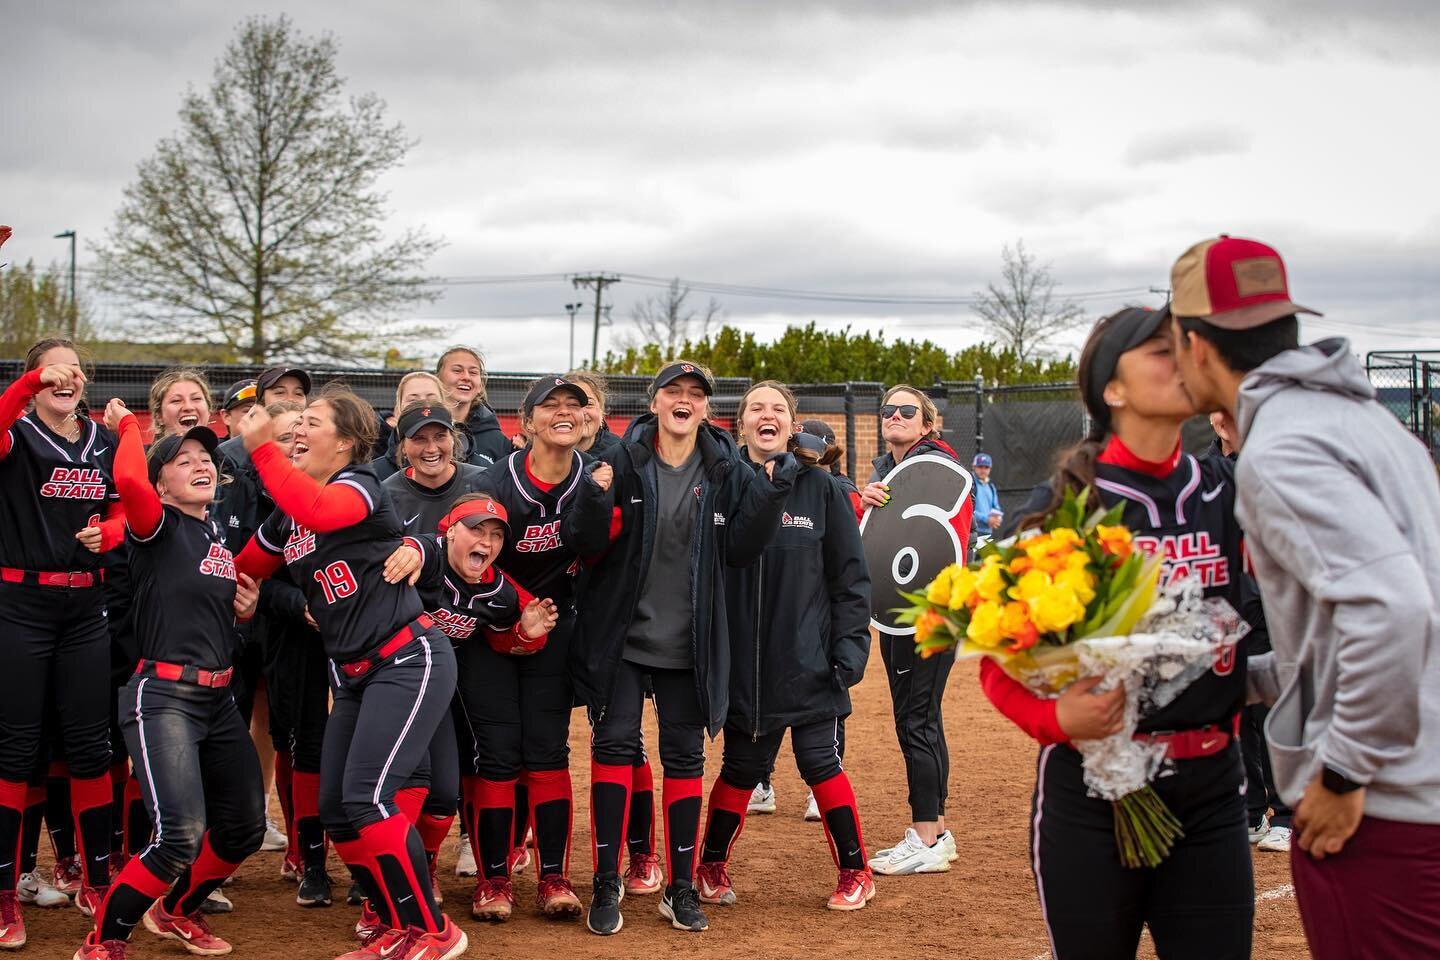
881 148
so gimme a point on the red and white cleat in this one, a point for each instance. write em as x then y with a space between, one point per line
494 900
855 889
517 861
644 874
88 900
369 926
192 932
712 882
557 898
12 926
93 949
69 876
447 943
382 943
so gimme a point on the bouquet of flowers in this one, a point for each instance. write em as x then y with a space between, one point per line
1077 599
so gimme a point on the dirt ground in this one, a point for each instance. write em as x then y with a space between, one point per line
984 908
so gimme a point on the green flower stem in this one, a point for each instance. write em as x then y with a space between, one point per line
1145 829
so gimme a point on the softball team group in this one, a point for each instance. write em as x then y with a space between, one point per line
424 618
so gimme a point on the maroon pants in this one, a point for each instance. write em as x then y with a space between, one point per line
1378 898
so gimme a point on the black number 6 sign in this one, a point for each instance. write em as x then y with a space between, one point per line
923 528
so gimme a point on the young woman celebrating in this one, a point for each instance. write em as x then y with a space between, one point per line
392 672
415 387
494 624
559 503
198 772
799 622
55 474
917 685
462 371
1200 901
430 478
653 612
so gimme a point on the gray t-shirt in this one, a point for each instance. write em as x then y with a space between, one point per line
660 633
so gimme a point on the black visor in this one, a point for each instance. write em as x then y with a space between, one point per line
1117 334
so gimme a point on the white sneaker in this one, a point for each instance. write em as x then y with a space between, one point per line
274 839
33 888
217 902
812 809
1277 840
465 862
1258 833
911 855
951 854
762 799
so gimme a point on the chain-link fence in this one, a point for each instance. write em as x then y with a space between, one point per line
1408 385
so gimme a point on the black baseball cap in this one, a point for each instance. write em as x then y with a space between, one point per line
414 418
272 376
675 371
547 385
241 391
818 428
167 448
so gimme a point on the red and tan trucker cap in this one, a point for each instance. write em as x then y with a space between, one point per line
1232 283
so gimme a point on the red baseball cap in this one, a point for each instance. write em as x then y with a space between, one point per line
1232 283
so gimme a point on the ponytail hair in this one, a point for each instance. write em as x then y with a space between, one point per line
815 451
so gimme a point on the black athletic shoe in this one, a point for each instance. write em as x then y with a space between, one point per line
314 888
681 906
356 896
604 917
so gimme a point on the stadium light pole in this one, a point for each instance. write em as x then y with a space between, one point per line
74 312
572 309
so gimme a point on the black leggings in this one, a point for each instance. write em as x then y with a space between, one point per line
917 687
298 688
616 740
749 760
1199 903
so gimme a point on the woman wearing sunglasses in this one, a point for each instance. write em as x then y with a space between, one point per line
908 428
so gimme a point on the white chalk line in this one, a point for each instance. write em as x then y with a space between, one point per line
1284 892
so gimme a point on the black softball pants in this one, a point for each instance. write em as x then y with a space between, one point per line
917 688
749 759
1199 903
297 684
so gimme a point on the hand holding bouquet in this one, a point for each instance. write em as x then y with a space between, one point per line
1076 599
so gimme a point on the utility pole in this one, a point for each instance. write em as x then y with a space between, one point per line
74 309
571 309
598 282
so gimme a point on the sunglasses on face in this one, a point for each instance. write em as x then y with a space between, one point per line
907 411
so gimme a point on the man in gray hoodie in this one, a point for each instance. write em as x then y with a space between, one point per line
1354 613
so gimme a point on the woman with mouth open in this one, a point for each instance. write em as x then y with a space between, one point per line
653 613
559 504
55 472
799 637
200 778
462 370
392 671
494 624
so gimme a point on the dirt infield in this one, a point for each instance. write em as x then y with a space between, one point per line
984 908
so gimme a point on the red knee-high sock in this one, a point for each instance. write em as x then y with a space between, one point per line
682 798
410 800
284 789
132 893
396 859
640 827
609 813
724 820
433 831
491 805
198 881
840 813
307 837
12 818
552 811
90 805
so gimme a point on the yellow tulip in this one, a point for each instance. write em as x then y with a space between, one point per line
984 628
1056 610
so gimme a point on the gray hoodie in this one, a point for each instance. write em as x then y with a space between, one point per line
1353 612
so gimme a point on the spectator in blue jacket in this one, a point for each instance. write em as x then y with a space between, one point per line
988 514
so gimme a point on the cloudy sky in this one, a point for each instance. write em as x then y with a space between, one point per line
886 148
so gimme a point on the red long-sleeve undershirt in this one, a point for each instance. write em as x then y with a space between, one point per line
143 508
13 402
322 507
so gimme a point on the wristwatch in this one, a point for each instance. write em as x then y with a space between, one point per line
1337 782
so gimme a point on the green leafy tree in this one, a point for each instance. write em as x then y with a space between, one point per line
36 304
259 226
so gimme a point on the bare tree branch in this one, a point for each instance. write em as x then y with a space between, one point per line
668 321
1023 312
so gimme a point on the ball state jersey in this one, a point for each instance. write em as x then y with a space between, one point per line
50 489
534 554
462 609
1189 518
184 579
341 573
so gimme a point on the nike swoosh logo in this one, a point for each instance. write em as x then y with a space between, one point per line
687 849
126 923
104 856
853 852
100 450
854 897
184 933
497 866
412 519
403 659
492 603
1209 495
637 499
601 846
901 673
1207 744
403 899
317 846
